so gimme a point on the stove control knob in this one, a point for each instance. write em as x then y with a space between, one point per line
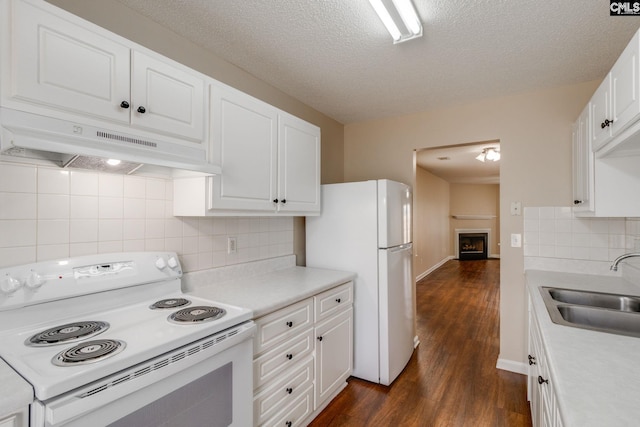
161 264
173 263
9 285
34 280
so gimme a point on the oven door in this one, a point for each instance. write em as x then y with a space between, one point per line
207 383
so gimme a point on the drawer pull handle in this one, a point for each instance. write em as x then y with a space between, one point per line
289 423
542 380
532 360
124 104
289 390
142 110
319 338
289 356
338 300
290 324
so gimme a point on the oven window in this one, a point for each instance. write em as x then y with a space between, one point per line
206 401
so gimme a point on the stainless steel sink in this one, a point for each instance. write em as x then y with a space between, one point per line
595 299
596 311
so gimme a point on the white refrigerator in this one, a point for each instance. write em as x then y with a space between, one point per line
365 227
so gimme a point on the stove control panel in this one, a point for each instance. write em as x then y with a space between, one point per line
52 280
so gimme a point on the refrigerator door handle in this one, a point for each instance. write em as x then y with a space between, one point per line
400 248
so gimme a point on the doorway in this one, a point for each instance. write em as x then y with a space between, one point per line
453 190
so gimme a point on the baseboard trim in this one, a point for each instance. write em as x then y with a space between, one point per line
324 404
416 341
435 267
512 366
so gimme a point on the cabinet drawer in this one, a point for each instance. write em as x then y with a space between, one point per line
282 324
296 413
283 357
333 300
283 391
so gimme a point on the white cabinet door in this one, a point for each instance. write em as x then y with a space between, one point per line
57 63
583 165
298 165
601 114
334 354
167 99
244 139
625 87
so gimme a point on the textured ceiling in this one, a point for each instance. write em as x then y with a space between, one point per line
458 164
336 56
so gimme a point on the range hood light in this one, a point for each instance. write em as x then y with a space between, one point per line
113 162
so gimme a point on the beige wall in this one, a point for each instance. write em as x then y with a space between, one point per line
431 243
529 126
127 23
476 199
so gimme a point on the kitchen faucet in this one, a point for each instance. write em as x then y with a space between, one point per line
614 266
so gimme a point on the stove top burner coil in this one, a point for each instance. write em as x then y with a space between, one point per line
88 352
169 303
197 314
69 332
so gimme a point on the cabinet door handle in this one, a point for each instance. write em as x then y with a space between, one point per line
542 380
606 123
289 423
577 202
283 201
289 356
124 104
532 360
290 324
275 200
338 300
142 110
289 390
319 338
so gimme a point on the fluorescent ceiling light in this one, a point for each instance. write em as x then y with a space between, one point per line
491 154
400 18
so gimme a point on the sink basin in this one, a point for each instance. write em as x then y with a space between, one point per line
617 322
595 299
596 311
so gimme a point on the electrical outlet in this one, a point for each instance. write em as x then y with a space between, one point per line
232 245
516 208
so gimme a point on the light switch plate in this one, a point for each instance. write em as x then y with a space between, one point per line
516 208
516 240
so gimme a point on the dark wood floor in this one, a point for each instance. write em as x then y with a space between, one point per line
451 380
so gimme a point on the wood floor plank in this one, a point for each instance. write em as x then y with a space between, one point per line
451 379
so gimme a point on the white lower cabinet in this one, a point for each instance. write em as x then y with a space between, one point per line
303 355
544 407
17 419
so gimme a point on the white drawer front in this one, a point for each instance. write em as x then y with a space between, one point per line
282 324
283 357
283 391
296 413
333 300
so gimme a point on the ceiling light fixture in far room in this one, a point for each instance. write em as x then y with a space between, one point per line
400 18
491 154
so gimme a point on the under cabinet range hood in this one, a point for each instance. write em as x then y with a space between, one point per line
71 144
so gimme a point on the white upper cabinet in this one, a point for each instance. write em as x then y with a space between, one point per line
59 64
583 164
270 162
298 165
616 103
166 98
244 137
64 67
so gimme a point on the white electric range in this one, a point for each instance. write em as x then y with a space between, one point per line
87 331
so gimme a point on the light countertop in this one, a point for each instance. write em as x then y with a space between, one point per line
17 394
271 291
596 375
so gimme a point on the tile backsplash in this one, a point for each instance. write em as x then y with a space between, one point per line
555 232
49 213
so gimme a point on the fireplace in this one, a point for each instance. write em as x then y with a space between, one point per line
472 243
